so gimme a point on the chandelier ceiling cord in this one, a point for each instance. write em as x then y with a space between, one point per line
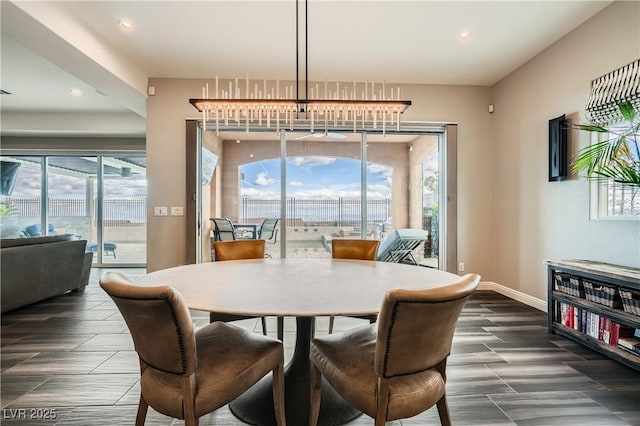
266 107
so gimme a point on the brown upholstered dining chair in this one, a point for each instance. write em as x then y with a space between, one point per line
396 368
355 250
183 373
237 250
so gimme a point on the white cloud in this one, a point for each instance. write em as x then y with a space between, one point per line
380 188
310 162
374 192
263 180
296 183
376 168
259 194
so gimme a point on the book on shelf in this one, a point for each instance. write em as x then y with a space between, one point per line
600 327
606 331
630 344
564 314
615 334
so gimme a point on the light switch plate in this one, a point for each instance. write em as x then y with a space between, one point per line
177 211
160 211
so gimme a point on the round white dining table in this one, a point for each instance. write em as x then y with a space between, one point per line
298 287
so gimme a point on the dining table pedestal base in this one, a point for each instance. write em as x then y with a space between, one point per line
255 406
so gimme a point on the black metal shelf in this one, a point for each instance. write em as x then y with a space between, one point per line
619 315
605 273
612 352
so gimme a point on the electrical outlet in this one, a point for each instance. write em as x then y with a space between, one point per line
160 211
461 267
177 211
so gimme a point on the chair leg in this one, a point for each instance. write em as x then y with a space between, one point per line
188 398
314 410
331 321
142 412
382 402
264 325
443 411
191 421
281 329
278 393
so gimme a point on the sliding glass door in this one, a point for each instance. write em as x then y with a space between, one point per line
333 185
124 210
21 199
100 199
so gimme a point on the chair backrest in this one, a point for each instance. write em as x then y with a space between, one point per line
238 250
223 229
268 230
354 249
33 230
159 322
400 243
415 327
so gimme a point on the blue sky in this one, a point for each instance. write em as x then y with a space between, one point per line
315 177
29 185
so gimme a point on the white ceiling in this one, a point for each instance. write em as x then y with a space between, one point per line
50 47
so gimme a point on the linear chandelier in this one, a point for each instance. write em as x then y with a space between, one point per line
276 112
360 106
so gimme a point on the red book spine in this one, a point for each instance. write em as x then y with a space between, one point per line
615 334
571 314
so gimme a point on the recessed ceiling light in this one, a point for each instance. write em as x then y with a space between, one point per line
237 141
125 24
250 155
464 35
75 92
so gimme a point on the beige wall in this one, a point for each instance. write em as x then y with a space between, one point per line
467 106
509 217
534 219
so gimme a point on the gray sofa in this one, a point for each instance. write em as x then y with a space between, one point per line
34 269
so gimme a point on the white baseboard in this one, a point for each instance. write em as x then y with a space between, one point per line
534 302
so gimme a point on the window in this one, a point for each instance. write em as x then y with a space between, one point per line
611 200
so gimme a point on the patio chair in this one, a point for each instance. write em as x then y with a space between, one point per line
223 229
269 231
35 230
107 247
398 247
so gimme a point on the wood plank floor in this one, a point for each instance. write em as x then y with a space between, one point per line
71 357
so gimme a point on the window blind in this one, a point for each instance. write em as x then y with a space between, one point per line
609 90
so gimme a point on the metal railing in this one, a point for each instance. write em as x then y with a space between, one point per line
116 211
337 212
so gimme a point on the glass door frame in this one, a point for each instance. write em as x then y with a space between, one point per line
447 181
44 155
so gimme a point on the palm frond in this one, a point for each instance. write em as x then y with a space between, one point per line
617 158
